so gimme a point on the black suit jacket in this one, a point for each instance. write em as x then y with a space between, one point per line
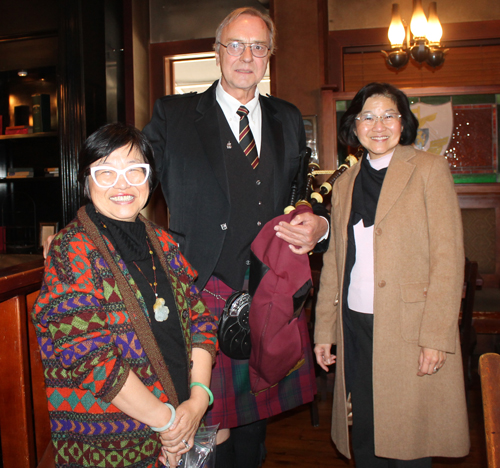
184 132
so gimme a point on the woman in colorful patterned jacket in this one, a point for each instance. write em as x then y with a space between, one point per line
126 342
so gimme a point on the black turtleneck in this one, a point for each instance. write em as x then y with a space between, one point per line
365 195
129 240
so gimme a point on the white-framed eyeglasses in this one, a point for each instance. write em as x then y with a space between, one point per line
237 48
369 120
105 176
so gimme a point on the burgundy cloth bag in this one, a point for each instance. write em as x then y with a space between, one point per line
277 302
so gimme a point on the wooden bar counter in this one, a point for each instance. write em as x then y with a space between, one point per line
24 419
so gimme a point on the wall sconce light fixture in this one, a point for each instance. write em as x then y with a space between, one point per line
426 45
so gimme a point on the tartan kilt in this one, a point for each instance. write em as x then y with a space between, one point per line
234 404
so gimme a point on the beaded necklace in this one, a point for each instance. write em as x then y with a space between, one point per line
161 311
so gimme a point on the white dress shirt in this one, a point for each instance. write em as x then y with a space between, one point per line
230 105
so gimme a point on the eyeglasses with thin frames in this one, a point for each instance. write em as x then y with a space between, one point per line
237 48
369 120
106 177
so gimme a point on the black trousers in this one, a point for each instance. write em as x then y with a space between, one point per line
358 348
245 447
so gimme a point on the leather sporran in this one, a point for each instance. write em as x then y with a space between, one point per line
234 330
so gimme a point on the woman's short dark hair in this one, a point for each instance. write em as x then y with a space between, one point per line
109 138
409 122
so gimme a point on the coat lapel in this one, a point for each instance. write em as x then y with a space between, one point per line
345 187
207 126
136 310
395 181
272 134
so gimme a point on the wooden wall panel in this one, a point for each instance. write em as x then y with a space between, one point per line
298 66
455 35
463 66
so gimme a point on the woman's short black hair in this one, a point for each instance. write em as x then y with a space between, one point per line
409 122
109 138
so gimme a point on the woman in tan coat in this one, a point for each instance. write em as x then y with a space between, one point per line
390 293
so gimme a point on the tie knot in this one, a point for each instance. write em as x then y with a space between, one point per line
242 112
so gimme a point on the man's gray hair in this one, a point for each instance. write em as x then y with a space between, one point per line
251 12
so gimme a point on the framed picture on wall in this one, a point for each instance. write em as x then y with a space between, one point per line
311 126
46 230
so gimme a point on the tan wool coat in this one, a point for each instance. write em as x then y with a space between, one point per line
419 267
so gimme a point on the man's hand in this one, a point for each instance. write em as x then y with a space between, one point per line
303 232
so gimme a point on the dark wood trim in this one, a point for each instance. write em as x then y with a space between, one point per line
472 30
456 33
478 196
478 189
19 268
272 60
71 104
29 37
431 91
21 279
170 79
323 38
128 62
328 130
157 54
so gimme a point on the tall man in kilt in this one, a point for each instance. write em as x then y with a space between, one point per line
220 194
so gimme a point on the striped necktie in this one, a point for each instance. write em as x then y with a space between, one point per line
247 142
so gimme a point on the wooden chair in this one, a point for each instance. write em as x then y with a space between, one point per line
489 370
467 332
24 416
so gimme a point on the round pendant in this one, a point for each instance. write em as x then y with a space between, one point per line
161 310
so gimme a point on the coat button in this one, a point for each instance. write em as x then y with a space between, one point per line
336 302
381 284
185 313
259 223
223 226
258 182
378 231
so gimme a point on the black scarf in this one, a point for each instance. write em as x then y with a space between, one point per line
129 240
366 193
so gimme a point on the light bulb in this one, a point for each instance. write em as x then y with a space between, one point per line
396 29
434 29
418 23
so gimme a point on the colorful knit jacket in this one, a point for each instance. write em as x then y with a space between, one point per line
93 328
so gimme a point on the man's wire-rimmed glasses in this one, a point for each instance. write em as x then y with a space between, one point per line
237 48
105 176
